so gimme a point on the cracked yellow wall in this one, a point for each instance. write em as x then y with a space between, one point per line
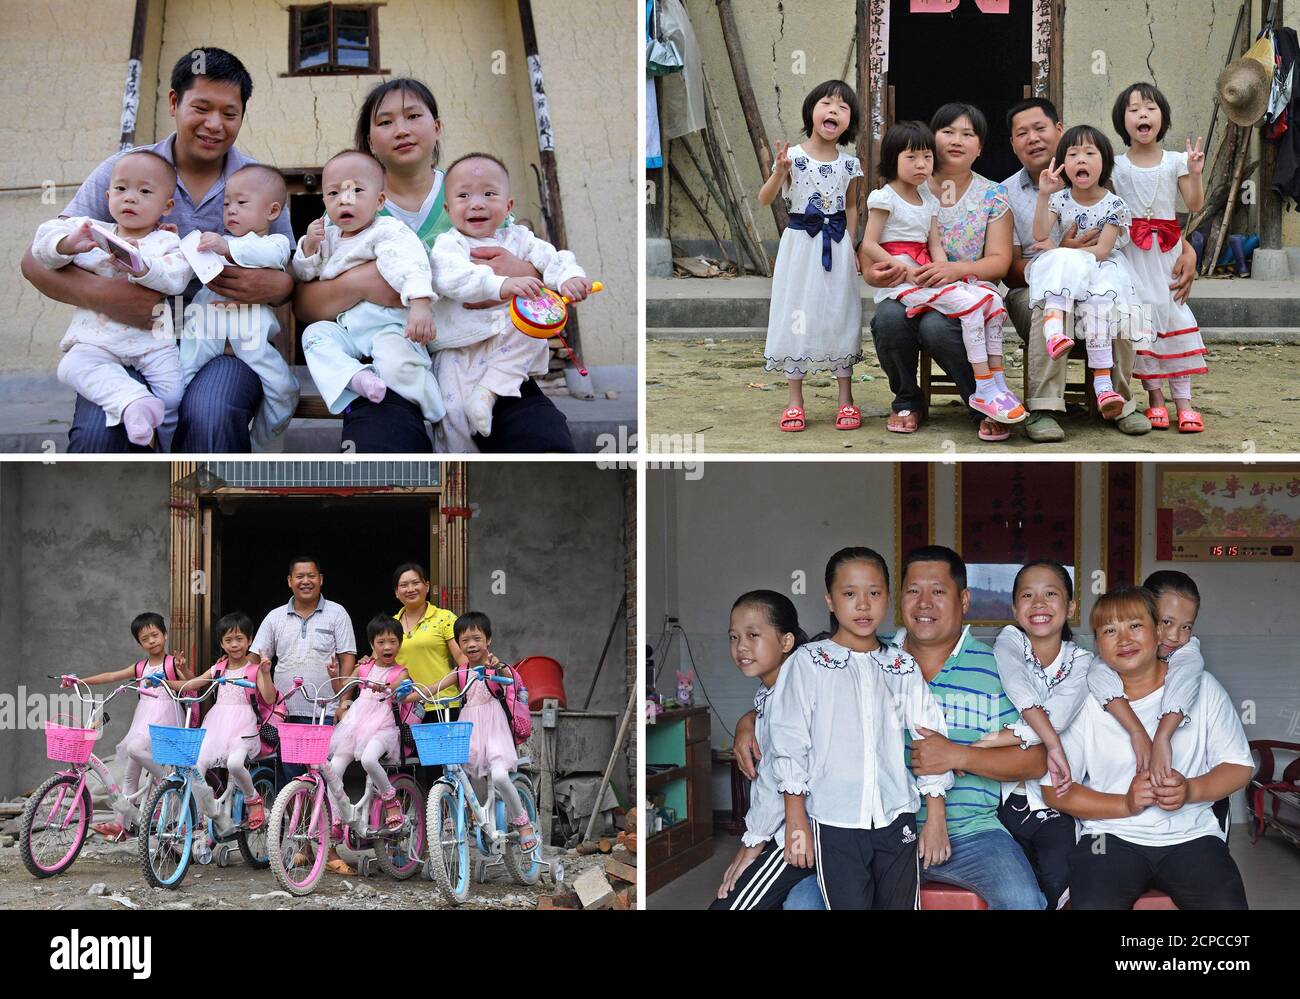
298 122
61 94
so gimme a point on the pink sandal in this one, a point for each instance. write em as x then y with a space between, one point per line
848 418
527 844
1159 417
1059 346
1111 405
393 817
794 417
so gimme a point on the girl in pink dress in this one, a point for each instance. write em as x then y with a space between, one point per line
365 728
491 743
136 748
232 724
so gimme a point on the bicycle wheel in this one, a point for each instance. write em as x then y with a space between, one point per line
525 868
167 827
252 845
401 855
54 826
445 827
298 836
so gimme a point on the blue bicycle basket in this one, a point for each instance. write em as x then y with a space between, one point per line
442 742
176 747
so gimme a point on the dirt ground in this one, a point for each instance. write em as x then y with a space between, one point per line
718 390
116 867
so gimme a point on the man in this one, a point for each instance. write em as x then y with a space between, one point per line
310 637
964 680
209 94
1036 130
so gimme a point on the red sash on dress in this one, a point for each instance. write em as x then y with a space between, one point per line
902 248
1167 231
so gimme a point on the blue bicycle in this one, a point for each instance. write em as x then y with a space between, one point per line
456 817
172 832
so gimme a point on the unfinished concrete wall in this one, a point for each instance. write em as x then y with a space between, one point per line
66 63
84 551
84 548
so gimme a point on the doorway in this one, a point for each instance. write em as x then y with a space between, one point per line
986 61
359 540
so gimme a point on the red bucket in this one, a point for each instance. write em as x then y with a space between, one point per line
544 678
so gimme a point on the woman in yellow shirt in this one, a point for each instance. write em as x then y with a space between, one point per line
429 650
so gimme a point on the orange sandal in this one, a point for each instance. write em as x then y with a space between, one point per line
255 818
1190 422
848 418
1159 417
795 417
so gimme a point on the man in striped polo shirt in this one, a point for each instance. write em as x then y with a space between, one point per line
962 675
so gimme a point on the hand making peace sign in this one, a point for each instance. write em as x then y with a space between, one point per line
1050 179
1195 157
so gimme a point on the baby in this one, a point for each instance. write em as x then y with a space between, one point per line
354 192
98 350
255 197
479 355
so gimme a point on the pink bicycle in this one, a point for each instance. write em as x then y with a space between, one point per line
57 817
302 825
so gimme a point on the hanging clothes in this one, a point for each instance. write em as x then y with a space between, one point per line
1286 172
683 93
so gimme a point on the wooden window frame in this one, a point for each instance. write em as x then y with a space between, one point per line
332 67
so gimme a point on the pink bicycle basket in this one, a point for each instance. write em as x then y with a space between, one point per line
304 743
66 744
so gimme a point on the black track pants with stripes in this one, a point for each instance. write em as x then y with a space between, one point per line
765 883
868 868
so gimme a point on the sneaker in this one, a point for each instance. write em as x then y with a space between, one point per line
1135 424
1042 428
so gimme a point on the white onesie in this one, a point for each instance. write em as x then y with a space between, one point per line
249 329
481 346
98 349
334 349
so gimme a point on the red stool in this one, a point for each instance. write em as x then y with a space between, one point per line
940 896
1155 900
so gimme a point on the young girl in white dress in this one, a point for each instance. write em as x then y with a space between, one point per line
903 226
1095 284
1149 179
815 323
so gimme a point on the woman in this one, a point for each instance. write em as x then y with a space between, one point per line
976 225
1136 835
398 124
429 652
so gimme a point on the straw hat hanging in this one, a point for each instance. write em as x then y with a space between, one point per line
1243 91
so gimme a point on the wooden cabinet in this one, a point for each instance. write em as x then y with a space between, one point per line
680 740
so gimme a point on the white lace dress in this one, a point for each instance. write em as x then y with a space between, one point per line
1151 192
815 322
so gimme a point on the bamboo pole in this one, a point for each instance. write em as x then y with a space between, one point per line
681 182
739 234
748 106
714 193
730 164
1234 188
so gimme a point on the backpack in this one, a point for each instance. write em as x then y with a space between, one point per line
264 715
403 713
513 698
171 673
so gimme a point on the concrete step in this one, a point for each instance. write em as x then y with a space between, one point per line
36 413
1211 335
723 303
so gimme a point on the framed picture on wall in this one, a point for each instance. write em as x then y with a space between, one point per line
1228 513
1010 513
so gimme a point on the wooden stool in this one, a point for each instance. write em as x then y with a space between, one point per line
934 381
935 895
1076 392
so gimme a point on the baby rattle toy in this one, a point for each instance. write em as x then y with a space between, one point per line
546 316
